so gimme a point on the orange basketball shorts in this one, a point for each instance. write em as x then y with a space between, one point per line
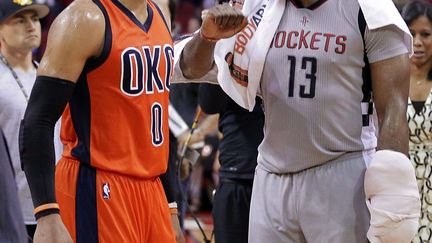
100 206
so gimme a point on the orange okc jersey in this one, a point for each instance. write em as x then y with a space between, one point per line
117 119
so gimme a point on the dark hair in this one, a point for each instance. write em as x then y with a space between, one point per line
416 8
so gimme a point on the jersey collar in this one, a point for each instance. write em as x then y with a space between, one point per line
146 26
298 4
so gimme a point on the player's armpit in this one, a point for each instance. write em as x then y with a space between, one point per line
76 35
390 86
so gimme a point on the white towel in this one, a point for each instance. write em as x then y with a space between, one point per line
249 64
252 58
175 122
384 13
392 197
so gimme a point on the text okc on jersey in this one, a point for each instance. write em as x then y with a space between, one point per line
141 71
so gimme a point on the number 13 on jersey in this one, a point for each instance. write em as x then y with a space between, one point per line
310 65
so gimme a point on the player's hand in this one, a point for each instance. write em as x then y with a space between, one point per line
176 225
50 229
222 21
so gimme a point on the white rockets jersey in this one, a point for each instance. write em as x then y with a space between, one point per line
316 85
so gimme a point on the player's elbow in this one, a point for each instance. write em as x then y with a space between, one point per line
194 68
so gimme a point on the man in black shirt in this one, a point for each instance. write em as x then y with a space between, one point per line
242 133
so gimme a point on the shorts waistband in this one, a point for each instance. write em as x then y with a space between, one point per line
342 158
103 171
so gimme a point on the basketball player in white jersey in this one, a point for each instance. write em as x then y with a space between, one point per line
321 72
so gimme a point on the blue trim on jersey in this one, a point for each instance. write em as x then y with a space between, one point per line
366 73
80 113
86 209
128 13
94 63
80 101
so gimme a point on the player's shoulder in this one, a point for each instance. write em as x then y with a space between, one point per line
349 9
348 4
82 14
82 5
81 25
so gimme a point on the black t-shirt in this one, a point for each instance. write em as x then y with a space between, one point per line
184 98
242 132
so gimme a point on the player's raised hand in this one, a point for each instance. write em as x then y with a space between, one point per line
222 21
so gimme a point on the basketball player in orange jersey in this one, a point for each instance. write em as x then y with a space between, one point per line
107 69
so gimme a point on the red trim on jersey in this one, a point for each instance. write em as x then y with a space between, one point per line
299 4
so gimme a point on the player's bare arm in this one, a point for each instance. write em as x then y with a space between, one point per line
390 84
219 22
76 35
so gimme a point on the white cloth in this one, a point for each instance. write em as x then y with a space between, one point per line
253 57
176 123
383 13
263 18
392 198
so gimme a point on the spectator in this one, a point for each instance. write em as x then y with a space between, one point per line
20 33
418 16
12 227
242 133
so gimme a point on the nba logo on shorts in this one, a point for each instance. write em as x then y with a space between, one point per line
106 191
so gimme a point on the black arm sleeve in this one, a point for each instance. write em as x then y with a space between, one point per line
169 178
212 98
48 99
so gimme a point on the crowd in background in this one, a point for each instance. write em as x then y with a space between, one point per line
204 179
